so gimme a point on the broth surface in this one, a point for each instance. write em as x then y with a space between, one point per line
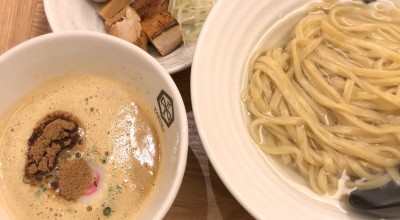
122 140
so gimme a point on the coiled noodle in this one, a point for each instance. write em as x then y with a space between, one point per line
328 102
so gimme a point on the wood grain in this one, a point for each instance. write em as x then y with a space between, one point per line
39 25
202 194
21 12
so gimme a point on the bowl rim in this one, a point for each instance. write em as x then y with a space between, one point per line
196 106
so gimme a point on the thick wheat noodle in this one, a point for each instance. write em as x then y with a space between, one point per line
345 72
341 105
284 85
324 101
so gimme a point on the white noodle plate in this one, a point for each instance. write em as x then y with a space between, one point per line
232 32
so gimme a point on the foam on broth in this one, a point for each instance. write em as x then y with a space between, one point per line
122 140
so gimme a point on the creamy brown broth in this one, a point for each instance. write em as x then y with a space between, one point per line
121 136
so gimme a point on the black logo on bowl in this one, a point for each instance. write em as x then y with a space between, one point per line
166 106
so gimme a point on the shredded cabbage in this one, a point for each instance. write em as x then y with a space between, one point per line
191 15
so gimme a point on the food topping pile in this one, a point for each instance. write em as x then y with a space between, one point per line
141 22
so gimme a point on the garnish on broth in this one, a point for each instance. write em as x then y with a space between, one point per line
48 164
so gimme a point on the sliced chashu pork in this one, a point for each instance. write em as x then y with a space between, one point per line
117 17
130 29
111 8
147 8
164 32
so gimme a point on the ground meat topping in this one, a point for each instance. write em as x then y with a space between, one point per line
56 132
74 178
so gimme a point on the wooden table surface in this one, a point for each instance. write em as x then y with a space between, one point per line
202 194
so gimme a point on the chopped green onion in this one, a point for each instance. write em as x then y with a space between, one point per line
26 180
107 211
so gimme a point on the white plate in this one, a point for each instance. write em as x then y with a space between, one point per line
65 15
233 31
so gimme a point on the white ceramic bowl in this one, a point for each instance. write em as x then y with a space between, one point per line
42 58
69 15
232 32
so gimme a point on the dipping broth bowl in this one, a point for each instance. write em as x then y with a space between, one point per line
43 58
